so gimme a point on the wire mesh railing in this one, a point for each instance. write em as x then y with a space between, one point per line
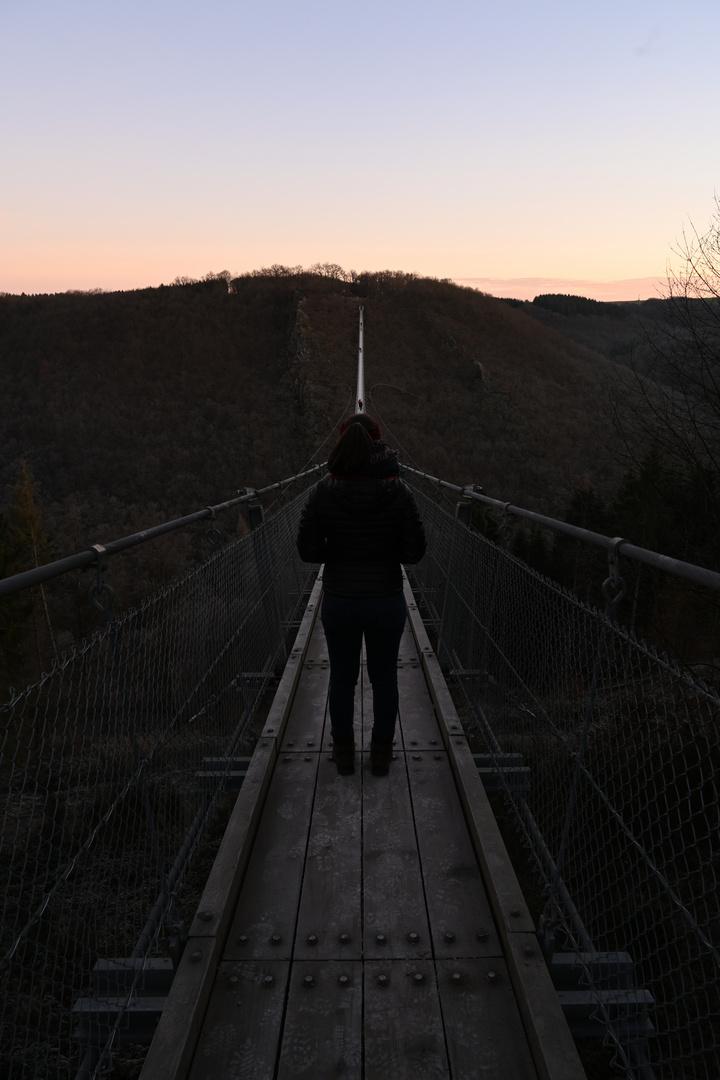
621 808
106 793
107 790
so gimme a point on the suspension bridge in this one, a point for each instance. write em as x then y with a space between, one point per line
185 877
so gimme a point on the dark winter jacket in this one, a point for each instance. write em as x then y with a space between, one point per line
362 528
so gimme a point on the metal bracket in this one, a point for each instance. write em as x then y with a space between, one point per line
255 512
614 587
100 587
506 529
463 512
212 533
256 515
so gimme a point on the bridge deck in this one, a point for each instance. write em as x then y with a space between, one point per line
363 941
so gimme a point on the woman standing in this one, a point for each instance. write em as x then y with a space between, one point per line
362 522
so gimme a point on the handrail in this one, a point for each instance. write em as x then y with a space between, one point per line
26 579
90 555
699 574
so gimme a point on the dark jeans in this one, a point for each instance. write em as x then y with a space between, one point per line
381 621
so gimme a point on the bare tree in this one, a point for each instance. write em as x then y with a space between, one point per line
676 403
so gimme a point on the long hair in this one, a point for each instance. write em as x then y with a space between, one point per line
351 453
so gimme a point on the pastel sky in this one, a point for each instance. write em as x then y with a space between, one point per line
505 144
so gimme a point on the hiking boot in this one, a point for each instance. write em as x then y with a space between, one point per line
343 753
381 754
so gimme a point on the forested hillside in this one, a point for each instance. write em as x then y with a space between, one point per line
622 332
166 399
120 410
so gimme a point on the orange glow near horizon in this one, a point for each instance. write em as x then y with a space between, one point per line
462 140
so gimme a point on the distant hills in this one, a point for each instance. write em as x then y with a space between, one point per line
130 408
163 400
619 331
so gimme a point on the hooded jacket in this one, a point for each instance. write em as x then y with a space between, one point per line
363 528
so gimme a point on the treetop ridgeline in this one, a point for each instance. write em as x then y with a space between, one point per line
130 408
565 304
175 396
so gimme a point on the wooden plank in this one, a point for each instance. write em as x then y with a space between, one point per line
408 653
263 927
461 921
393 902
441 698
241 1033
329 922
446 715
304 728
174 1042
214 913
322 1036
317 653
550 1040
418 722
549 1037
556 1057
282 702
483 1029
502 885
553 1050
402 1022
173 1046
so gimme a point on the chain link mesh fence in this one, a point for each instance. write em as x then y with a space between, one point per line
106 791
607 753
614 788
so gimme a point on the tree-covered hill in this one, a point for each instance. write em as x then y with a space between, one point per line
163 400
121 410
622 332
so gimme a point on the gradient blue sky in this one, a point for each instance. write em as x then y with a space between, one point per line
569 141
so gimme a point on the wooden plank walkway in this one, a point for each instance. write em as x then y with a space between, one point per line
362 926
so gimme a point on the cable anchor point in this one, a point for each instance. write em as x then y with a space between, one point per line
506 529
213 534
614 587
100 587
